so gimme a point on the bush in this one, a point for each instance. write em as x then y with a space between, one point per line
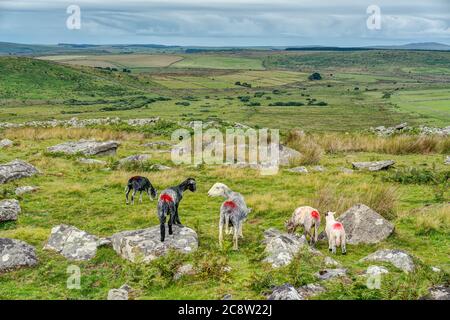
433 220
419 176
315 76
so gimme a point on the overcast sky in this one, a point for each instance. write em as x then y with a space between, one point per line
226 22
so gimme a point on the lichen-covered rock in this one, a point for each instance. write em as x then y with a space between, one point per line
330 262
398 258
16 169
92 161
72 243
86 147
310 290
135 158
285 292
184 270
9 210
281 247
25 189
376 270
15 254
5 143
298 170
287 155
364 225
328 274
145 244
373 166
119 294
438 293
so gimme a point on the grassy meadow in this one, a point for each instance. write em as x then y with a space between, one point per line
259 89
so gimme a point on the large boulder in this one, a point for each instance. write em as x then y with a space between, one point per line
373 166
281 248
285 292
145 244
16 169
135 158
398 258
364 225
5 143
72 243
86 147
15 254
287 155
9 210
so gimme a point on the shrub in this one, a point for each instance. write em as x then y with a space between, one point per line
315 76
419 176
433 220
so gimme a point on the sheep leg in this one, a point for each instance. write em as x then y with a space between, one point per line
343 244
329 242
127 192
333 244
221 223
162 221
133 195
235 237
316 232
240 231
140 197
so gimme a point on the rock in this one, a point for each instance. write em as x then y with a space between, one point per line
119 294
157 144
72 243
16 169
318 169
447 160
159 167
346 170
398 258
227 297
298 170
104 242
91 161
435 269
186 269
287 155
330 262
135 158
373 166
86 147
376 270
281 247
145 244
9 210
5 143
25 189
438 293
15 254
285 292
364 225
310 290
401 126
328 274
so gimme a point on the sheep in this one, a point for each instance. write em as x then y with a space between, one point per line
307 217
233 210
168 203
335 233
141 184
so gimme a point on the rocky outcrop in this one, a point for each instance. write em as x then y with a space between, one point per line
438 293
328 274
145 245
16 169
310 290
285 292
184 270
86 147
15 254
135 158
281 247
9 210
72 243
364 225
373 166
25 189
5 143
398 258
120 294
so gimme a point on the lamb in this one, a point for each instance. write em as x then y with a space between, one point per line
233 210
335 233
141 184
168 203
307 217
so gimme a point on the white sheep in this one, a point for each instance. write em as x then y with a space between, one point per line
335 233
307 217
233 211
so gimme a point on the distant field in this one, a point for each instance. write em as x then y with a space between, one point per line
219 62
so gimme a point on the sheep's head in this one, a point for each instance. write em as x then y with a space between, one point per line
330 216
153 193
290 226
217 190
191 184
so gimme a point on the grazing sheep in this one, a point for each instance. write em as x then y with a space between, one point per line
168 204
335 233
307 217
233 211
141 184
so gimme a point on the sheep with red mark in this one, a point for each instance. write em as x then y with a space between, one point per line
233 212
335 233
308 218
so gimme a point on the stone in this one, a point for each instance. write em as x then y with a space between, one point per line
298 170
447 160
364 225
398 258
310 290
119 294
441 292
9 210
287 155
86 147
25 189
16 169
227 296
159 167
72 243
15 254
346 170
91 161
330 262
285 292
135 158
5 143
281 247
157 144
328 274
376 270
435 269
318 169
184 270
373 166
145 244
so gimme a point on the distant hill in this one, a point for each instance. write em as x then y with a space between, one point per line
418 46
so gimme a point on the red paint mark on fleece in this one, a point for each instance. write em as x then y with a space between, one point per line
315 215
337 226
230 204
166 198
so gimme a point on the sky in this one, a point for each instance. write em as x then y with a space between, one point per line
226 22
